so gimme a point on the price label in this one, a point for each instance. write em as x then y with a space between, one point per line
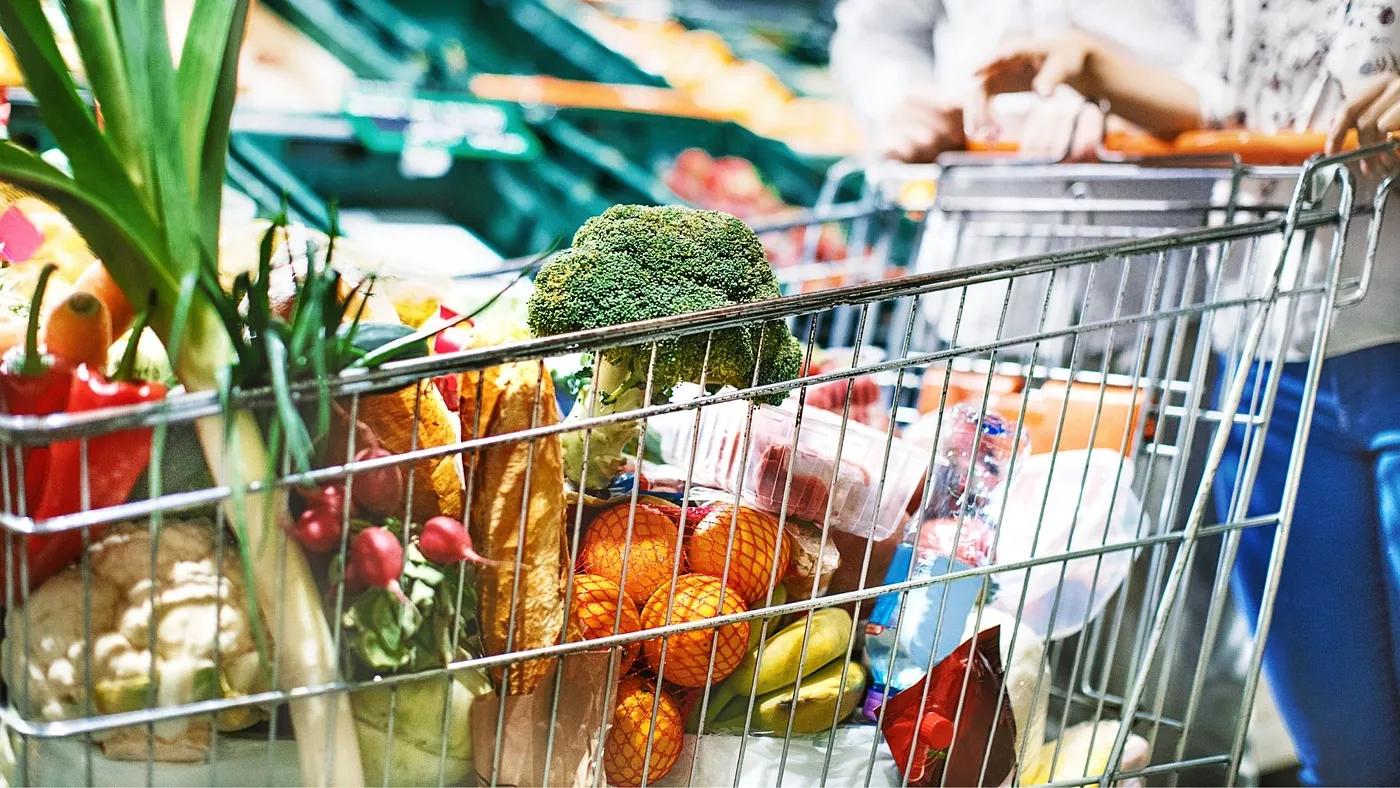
429 130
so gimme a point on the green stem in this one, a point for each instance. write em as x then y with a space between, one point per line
33 364
126 368
618 391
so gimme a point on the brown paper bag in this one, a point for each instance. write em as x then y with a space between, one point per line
585 705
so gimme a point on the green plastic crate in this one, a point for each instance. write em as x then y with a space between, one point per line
652 142
520 37
519 208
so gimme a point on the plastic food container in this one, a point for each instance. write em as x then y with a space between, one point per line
850 488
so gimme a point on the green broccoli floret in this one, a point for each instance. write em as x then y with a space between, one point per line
636 262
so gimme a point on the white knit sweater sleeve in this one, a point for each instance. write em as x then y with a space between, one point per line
881 50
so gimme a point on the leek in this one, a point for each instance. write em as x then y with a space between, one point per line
145 193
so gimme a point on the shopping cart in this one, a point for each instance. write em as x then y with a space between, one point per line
1053 582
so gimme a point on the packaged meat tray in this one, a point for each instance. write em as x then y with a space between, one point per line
849 489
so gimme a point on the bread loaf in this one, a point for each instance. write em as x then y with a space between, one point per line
437 481
517 515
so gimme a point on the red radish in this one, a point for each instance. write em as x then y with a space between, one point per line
376 557
378 489
445 540
318 529
330 498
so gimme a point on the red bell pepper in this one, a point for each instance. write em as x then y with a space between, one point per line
114 460
32 384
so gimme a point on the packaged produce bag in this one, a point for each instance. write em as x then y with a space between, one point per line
585 704
1091 504
843 755
966 734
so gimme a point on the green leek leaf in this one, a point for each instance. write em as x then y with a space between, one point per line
95 31
94 163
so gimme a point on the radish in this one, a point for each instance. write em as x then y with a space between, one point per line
329 498
380 489
317 529
445 540
376 558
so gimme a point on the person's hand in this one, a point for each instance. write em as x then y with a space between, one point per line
1375 114
1062 127
1038 65
922 128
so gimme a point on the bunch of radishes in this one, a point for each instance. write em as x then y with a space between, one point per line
375 557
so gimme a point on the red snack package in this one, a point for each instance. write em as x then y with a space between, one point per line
931 750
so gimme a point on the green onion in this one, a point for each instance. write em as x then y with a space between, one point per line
146 194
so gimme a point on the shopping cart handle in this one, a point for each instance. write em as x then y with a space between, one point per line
1251 147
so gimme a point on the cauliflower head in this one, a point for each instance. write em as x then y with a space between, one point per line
189 617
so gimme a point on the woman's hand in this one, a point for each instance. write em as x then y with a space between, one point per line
1375 114
1039 65
1067 128
923 127
1153 99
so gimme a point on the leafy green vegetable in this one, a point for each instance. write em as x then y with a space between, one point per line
636 262
417 627
145 193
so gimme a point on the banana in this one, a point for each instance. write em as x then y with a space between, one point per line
830 638
821 701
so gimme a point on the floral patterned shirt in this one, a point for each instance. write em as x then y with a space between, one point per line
1289 64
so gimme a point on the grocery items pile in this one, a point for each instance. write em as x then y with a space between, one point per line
416 572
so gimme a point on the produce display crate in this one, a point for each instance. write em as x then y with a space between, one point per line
370 37
520 37
497 199
654 141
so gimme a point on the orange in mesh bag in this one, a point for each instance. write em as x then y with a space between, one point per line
697 597
634 728
758 544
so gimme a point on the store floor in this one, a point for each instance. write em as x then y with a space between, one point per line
1274 758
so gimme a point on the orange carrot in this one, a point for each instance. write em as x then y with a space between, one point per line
99 283
79 330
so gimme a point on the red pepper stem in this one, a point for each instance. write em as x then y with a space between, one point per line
126 368
33 363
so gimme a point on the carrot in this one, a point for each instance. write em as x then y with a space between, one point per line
79 330
99 283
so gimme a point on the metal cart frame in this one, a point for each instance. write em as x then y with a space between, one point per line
1165 375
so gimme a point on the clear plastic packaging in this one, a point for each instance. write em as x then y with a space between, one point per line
1075 500
969 481
849 489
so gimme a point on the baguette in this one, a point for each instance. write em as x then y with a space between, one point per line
517 515
437 481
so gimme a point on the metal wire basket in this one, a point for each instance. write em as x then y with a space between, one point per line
1114 398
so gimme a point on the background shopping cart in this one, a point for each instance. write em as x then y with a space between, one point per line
1100 654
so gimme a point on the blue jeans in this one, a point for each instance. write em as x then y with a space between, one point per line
1332 656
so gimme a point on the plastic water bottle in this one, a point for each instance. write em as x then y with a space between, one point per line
956 533
934 616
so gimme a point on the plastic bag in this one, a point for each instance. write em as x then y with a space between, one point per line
718 756
1090 503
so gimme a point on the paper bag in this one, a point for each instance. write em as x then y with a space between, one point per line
585 705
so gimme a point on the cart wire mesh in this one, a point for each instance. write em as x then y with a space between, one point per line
1092 330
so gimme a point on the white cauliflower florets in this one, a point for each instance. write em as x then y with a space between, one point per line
203 641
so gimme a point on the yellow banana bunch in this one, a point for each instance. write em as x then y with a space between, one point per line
816 689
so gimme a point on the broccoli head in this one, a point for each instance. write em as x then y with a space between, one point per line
637 262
